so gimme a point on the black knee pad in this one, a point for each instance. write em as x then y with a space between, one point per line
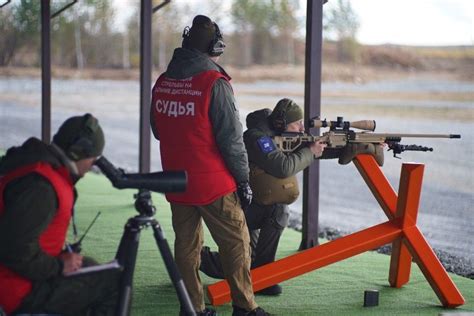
280 216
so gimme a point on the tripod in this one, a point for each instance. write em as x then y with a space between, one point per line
127 255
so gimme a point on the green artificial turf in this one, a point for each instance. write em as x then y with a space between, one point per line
337 289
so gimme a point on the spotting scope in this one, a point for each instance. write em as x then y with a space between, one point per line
163 182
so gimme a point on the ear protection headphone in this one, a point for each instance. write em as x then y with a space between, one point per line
279 121
217 45
82 145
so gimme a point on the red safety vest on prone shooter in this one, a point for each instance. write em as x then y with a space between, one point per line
14 287
180 115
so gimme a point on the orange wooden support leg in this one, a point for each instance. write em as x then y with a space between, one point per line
377 183
409 191
432 269
400 264
407 212
312 259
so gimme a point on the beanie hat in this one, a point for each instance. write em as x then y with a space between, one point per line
80 137
285 112
201 35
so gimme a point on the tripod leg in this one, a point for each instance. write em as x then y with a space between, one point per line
127 255
183 296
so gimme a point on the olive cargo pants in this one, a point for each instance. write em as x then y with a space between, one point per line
92 294
226 222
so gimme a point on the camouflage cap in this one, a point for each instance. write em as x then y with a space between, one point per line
80 137
285 112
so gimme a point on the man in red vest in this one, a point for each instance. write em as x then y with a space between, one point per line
194 116
37 195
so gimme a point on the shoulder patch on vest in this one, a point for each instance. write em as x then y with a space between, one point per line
266 144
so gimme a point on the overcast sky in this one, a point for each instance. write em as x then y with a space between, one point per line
415 22
406 22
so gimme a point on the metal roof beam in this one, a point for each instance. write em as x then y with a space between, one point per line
5 3
55 14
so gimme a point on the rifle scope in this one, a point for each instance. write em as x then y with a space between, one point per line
366 125
163 182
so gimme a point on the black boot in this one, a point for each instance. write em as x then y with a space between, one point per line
271 290
204 312
211 263
237 311
207 312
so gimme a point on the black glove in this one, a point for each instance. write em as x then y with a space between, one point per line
245 194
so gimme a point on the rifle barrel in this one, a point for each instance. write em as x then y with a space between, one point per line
410 135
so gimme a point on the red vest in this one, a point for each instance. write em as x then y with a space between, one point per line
14 287
180 115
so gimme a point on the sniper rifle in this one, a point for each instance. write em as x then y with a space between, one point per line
340 134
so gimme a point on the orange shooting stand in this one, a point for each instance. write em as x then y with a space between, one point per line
400 230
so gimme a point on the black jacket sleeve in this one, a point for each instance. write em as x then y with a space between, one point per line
30 205
228 130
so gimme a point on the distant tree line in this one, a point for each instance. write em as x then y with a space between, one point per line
263 32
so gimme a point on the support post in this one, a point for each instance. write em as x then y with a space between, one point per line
45 71
145 85
312 106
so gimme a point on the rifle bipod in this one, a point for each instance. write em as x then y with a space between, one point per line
127 255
